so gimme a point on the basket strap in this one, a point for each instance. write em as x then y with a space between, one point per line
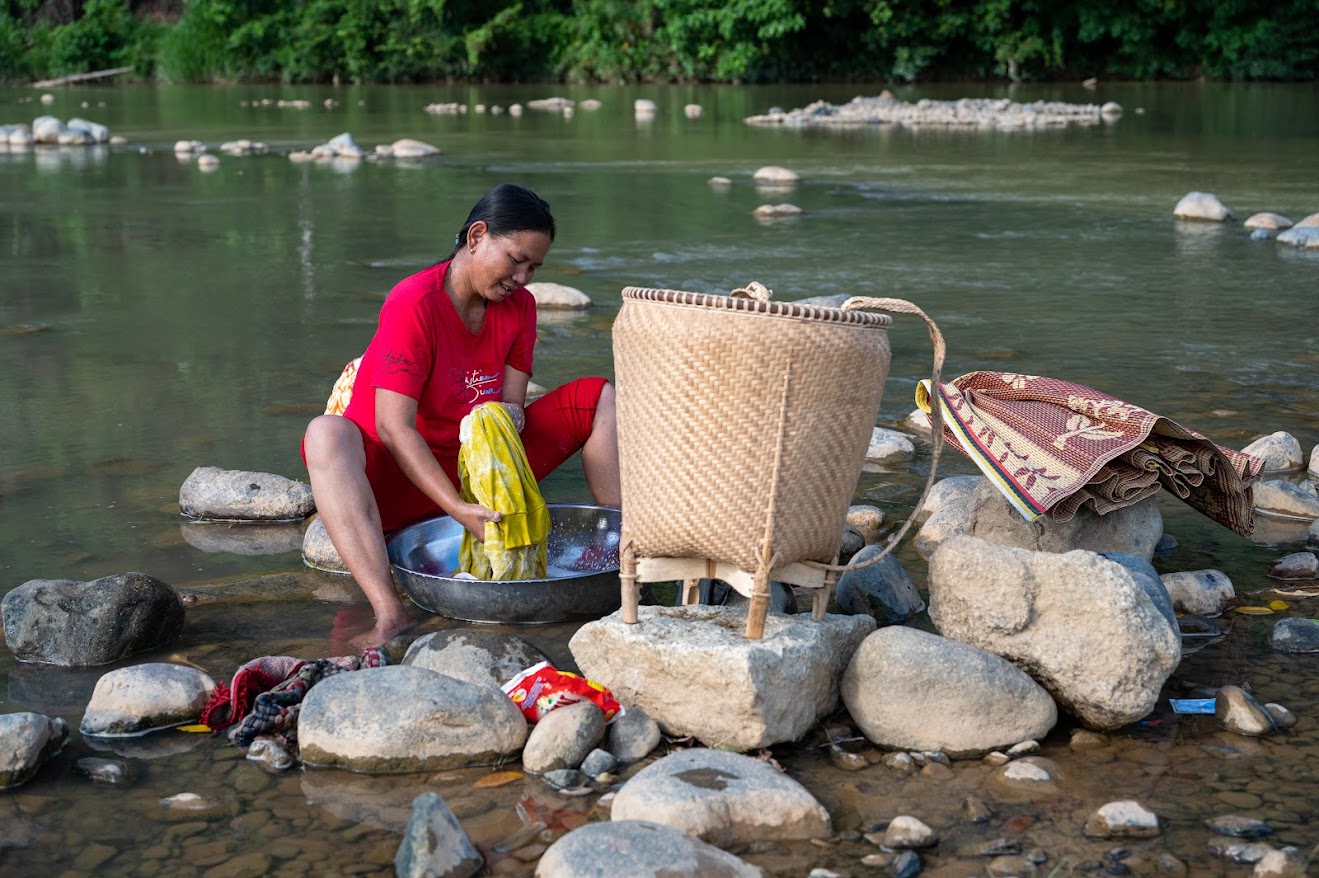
902 306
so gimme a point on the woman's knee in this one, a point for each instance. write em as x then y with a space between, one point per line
330 439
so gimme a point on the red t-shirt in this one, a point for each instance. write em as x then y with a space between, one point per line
423 350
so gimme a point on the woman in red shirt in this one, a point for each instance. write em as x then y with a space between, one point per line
450 337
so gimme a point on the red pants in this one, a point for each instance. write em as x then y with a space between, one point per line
558 425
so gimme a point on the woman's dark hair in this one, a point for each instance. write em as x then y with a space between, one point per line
506 209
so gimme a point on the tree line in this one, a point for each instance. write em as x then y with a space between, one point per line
617 41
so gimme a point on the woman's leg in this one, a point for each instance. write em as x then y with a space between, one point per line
600 453
336 460
578 416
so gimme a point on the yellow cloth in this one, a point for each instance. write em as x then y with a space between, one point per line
493 469
343 389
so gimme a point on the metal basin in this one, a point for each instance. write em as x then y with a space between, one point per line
583 568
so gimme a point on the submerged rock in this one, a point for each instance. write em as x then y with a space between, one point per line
27 741
722 798
435 843
868 521
113 772
1306 237
910 690
638 848
1126 819
1239 827
62 622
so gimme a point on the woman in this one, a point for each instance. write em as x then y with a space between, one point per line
451 337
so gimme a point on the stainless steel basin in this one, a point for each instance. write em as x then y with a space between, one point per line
582 581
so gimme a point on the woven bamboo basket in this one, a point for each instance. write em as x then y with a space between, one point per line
742 429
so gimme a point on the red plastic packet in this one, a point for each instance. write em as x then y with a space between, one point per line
541 688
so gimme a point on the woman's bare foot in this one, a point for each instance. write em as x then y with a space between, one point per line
356 628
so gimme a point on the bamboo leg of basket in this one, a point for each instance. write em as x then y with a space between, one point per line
627 578
691 591
758 609
820 599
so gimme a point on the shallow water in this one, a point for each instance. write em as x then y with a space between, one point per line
154 318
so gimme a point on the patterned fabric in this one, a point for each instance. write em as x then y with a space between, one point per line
342 393
275 712
1051 446
228 704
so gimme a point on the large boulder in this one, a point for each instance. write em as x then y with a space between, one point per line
910 690
132 701
1078 623
27 741
695 673
215 494
1132 530
483 657
723 798
400 719
639 849
62 622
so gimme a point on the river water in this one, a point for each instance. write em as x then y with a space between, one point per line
154 318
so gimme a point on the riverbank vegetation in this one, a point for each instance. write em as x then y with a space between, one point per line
660 40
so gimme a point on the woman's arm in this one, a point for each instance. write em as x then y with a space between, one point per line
515 395
396 424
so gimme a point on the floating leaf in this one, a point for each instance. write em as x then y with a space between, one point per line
1253 611
1279 605
498 779
199 727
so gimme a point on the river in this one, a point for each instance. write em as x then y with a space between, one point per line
154 318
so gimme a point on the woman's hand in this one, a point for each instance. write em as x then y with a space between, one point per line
517 413
474 516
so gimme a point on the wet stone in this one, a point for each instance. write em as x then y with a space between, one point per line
1168 864
1238 799
846 760
1286 863
1025 748
936 771
1125 819
998 847
899 762
1084 739
1295 635
598 762
906 832
976 810
1238 851
1237 711
250 865
1281 715
1238 827
1298 565
1010 867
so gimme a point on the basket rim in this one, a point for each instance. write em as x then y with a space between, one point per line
724 302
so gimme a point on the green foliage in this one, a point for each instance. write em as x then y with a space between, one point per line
676 40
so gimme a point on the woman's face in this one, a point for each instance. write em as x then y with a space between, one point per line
500 264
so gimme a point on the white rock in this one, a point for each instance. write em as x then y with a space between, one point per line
515 109
1201 206
98 132
637 848
470 654
27 741
318 551
1289 862
1306 237
907 833
207 162
143 698
552 295
403 719
643 107
692 111
1273 222
47 129
722 798
773 211
798 655
889 446
1314 462
407 148
1125 819
919 421
952 491
1200 592
776 175
1309 222
211 493
589 104
1285 498
1082 624
1280 452
1111 108
719 182
970 701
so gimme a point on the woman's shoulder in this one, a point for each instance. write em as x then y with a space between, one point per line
421 284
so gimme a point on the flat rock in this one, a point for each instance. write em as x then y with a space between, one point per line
476 656
1273 222
638 849
145 698
732 691
215 494
722 798
401 719
776 175
1287 498
62 622
910 690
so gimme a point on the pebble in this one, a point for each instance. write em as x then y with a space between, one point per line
1025 748
1281 715
906 832
107 771
846 760
900 762
976 810
1238 827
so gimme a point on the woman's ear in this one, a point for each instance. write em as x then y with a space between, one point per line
476 232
